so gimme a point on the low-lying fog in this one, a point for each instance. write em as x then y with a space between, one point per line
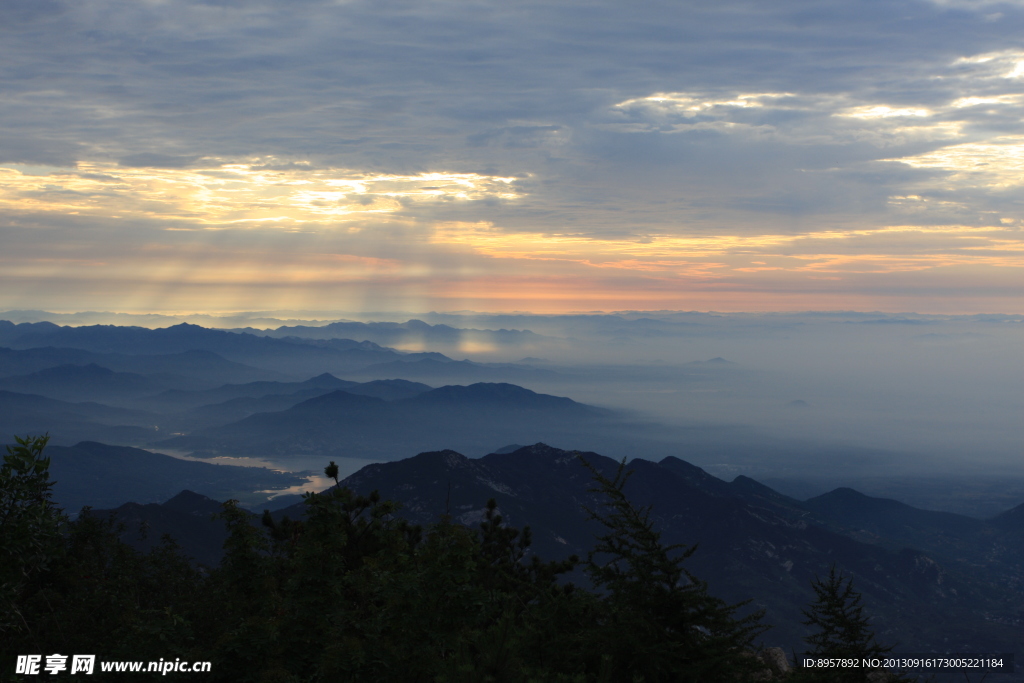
941 397
945 388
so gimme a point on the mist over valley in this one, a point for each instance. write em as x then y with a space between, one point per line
816 399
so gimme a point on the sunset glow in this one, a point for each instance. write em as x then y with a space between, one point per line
403 175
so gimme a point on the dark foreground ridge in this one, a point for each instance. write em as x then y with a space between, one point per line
354 593
933 582
752 541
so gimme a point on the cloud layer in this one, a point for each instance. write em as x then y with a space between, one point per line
546 156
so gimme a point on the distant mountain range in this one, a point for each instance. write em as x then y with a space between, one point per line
294 356
403 334
752 541
346 424
194 369
58 404
173 388
202 383
937 581
451 371
37 346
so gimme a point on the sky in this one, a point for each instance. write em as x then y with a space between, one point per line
177 155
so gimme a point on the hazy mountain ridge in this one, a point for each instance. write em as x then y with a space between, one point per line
412 331
451 371
69 422
343 424
83 382
701 404
207 415
288 355
12 401
261 352
390 389
57 406
626 435
176 399
195 369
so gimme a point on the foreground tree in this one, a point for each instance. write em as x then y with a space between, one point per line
29 529
841 630
659 622
74 586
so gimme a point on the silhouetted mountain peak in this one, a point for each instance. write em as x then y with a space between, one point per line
428 357
185 518
885 516
339 400
492 393
538 457
745 484
193 503
717 360
446 459
390 389
1011 519
847 497
847 501
695 476
93 445
328 381
845 493
104 449
542 450
751 489
511 448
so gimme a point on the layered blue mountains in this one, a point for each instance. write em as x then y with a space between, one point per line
156 428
